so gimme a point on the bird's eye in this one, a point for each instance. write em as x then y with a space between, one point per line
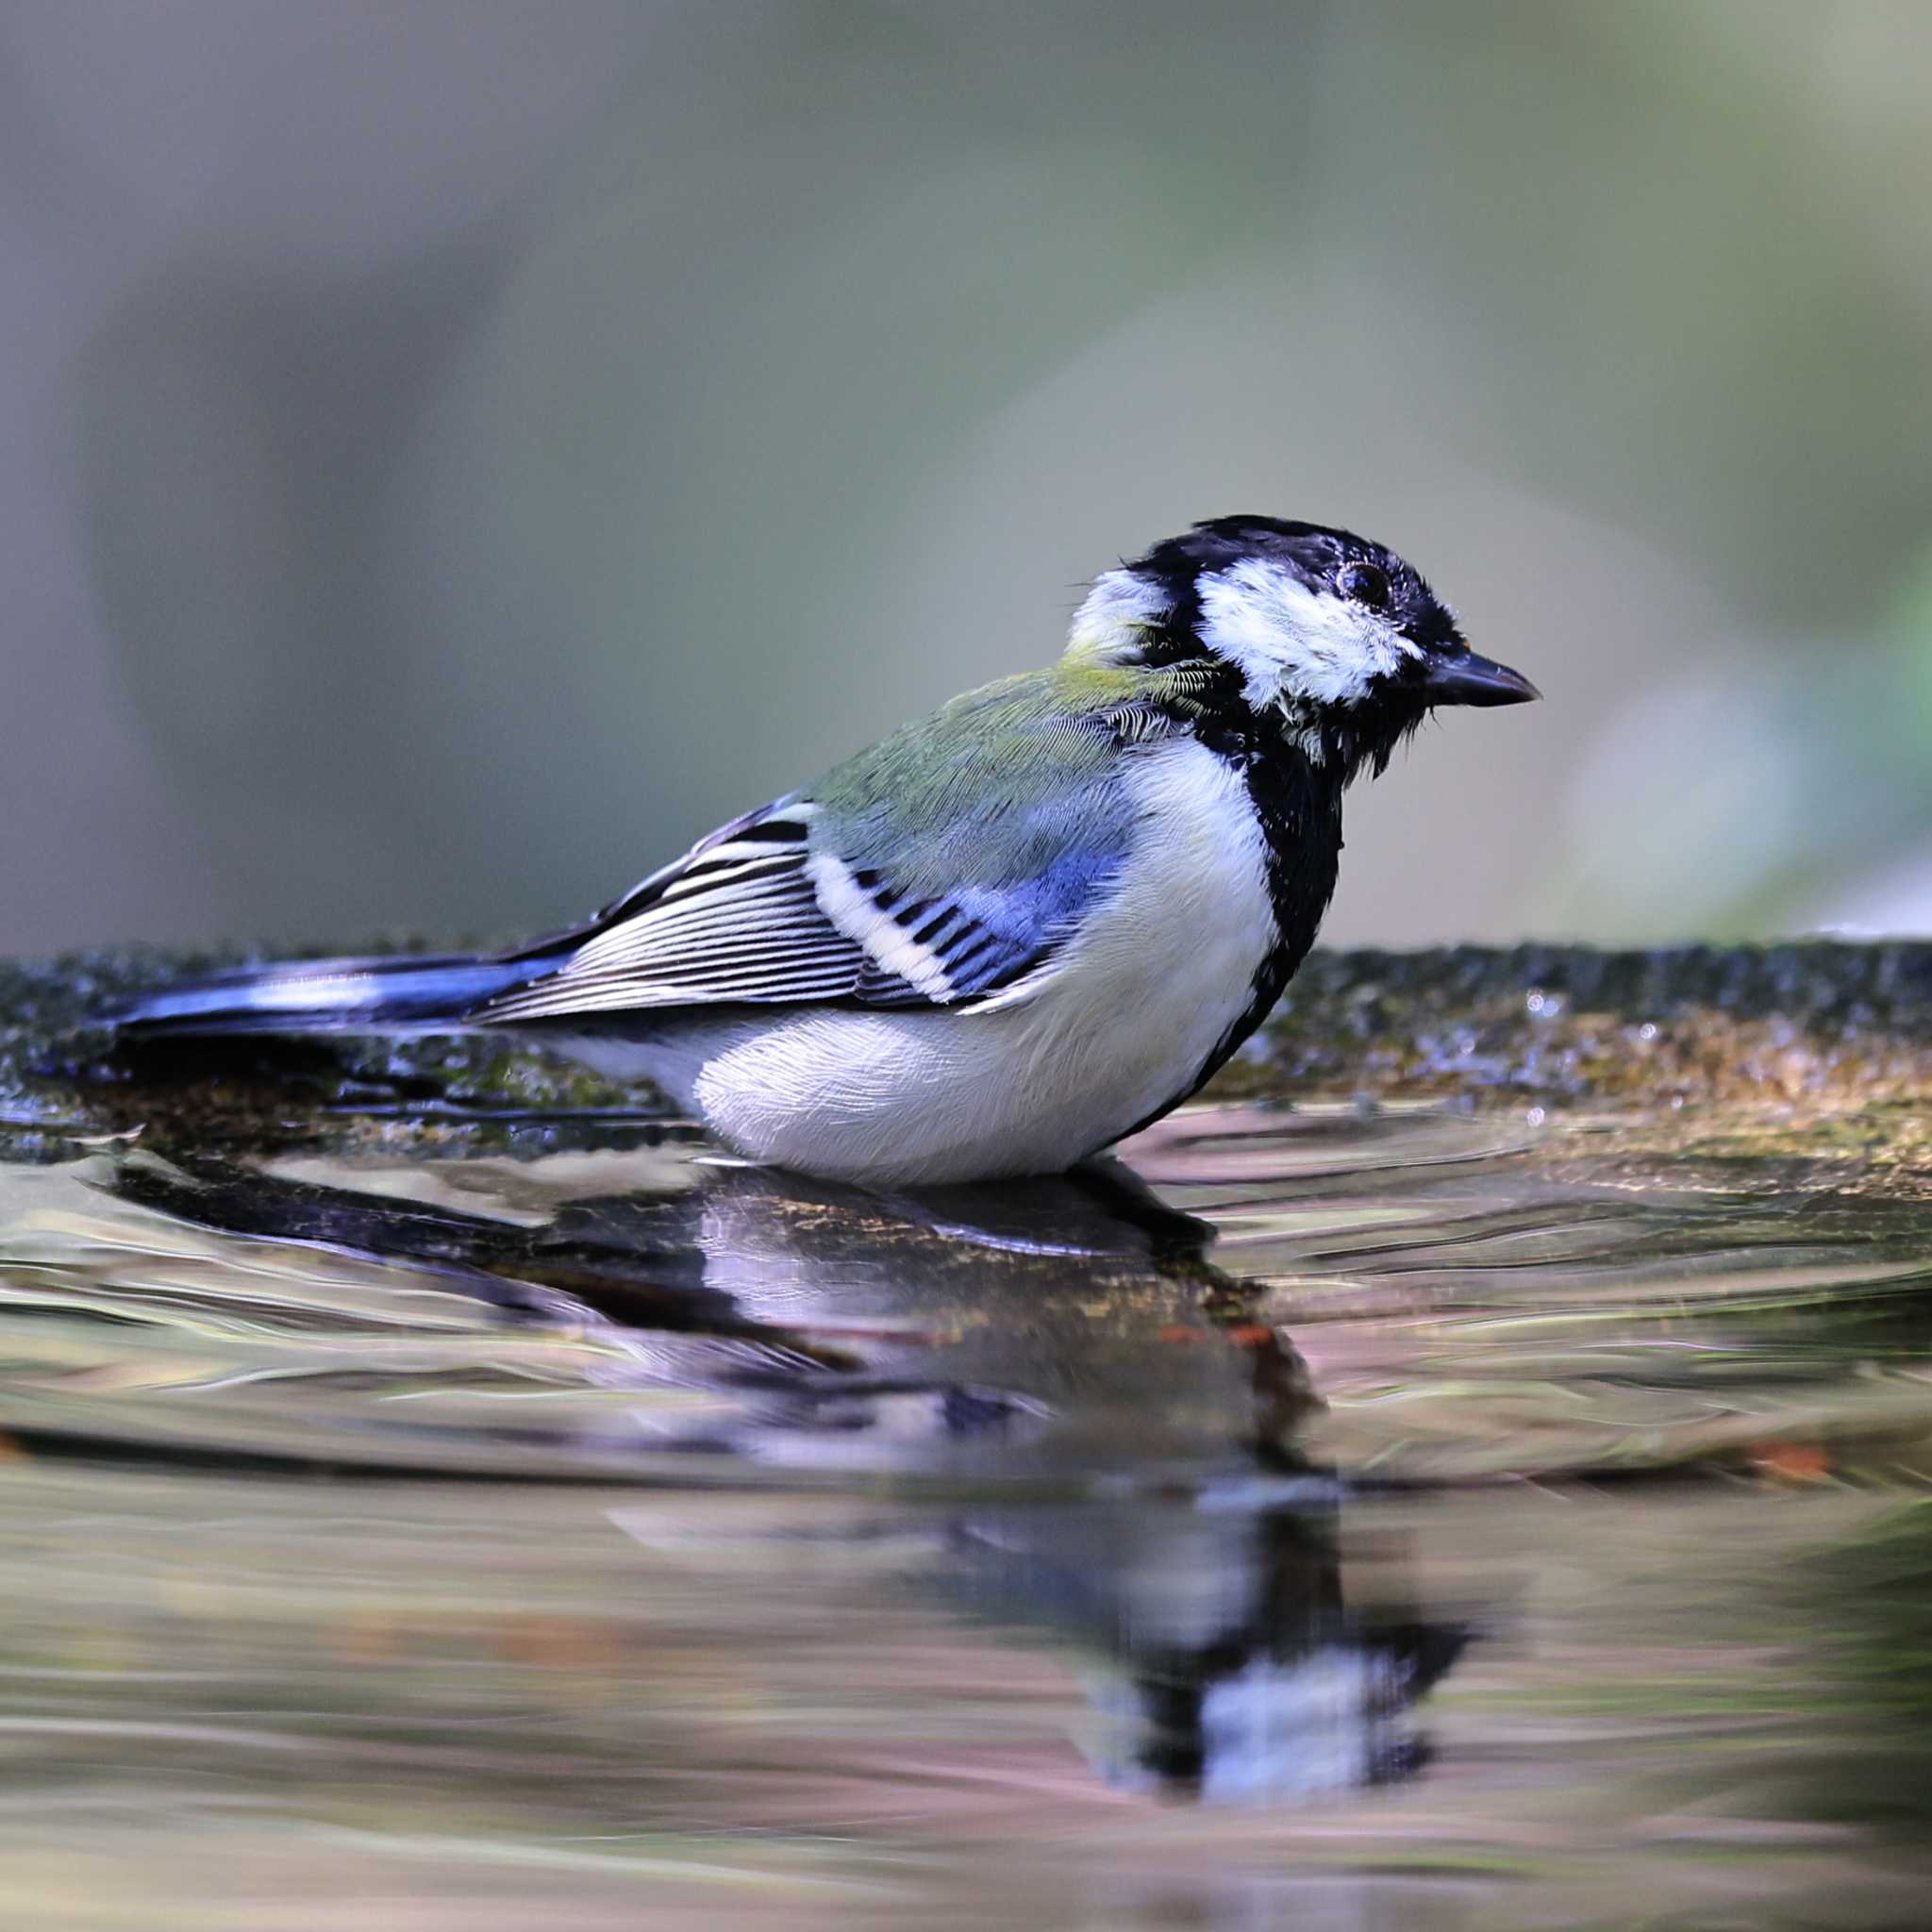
1363 583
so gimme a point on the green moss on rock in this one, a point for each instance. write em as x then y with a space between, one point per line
1770 1035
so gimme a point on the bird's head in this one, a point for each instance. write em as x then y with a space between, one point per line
1319 634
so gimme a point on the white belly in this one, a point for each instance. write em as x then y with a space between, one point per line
1029 1083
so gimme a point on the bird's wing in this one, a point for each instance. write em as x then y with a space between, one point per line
939 868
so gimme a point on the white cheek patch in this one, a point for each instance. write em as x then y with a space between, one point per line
1112 623
1293 643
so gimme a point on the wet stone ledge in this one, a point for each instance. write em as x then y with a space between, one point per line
1804 1031
1816 1022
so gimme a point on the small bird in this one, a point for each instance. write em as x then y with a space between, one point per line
1008 935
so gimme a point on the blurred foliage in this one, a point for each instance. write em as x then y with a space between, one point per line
465 453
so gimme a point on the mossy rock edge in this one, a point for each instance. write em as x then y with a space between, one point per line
1698 1041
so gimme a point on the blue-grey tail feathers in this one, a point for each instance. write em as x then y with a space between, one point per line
328 996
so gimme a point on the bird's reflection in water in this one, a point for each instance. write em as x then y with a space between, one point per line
1220 1655
1064 1348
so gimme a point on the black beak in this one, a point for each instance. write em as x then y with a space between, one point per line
1472 680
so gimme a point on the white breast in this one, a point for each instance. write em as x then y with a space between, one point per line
1050 1071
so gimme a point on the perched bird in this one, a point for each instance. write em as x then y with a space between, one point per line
1003 937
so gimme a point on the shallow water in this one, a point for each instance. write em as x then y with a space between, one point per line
1344 1518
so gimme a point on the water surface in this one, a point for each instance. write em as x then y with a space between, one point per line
1351 1517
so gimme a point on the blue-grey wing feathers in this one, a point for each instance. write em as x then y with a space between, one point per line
762 918
946 865
735 921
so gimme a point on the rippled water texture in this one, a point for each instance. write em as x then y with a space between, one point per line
1342 1518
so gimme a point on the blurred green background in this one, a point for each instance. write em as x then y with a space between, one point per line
451 454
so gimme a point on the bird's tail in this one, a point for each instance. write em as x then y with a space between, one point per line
326 996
